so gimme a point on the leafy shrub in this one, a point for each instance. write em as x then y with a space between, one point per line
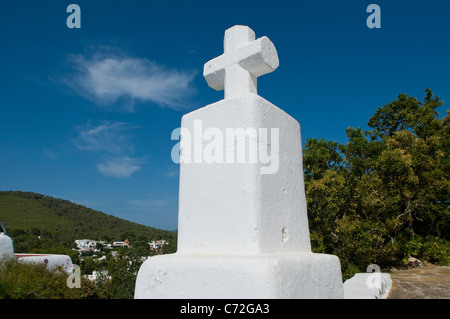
20 280
436 250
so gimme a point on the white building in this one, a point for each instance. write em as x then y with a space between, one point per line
125 243
86 244
157 244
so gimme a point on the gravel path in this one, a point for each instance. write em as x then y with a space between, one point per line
421 283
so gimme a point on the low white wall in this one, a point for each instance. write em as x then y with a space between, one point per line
52 261
368 286
6 246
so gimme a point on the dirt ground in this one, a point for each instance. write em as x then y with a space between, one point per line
429 282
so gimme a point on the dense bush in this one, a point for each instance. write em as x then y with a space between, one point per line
384 195
20 280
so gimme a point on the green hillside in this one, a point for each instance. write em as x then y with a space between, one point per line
53 222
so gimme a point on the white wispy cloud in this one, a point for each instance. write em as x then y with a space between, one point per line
111 143
120 167
108 77
110 137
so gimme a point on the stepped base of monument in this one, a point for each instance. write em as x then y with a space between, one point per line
195 276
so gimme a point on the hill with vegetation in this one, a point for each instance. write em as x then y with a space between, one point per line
39 223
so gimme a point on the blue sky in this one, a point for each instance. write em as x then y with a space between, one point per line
87 114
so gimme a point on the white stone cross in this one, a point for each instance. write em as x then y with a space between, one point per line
241 233
244 60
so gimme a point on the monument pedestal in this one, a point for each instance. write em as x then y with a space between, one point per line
249 206
269 276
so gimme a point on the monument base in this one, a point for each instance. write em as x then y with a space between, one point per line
268 276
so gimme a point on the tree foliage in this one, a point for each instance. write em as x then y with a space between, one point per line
19 280
383 195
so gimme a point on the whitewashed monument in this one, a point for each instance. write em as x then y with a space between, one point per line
6 247
52 261
243 227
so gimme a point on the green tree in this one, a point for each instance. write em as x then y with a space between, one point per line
20 280
414 166
123 270
385 193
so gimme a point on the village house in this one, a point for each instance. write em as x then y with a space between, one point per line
85 244
157 244
125 243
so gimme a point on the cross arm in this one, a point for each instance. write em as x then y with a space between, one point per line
259 57
243 61
214 73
